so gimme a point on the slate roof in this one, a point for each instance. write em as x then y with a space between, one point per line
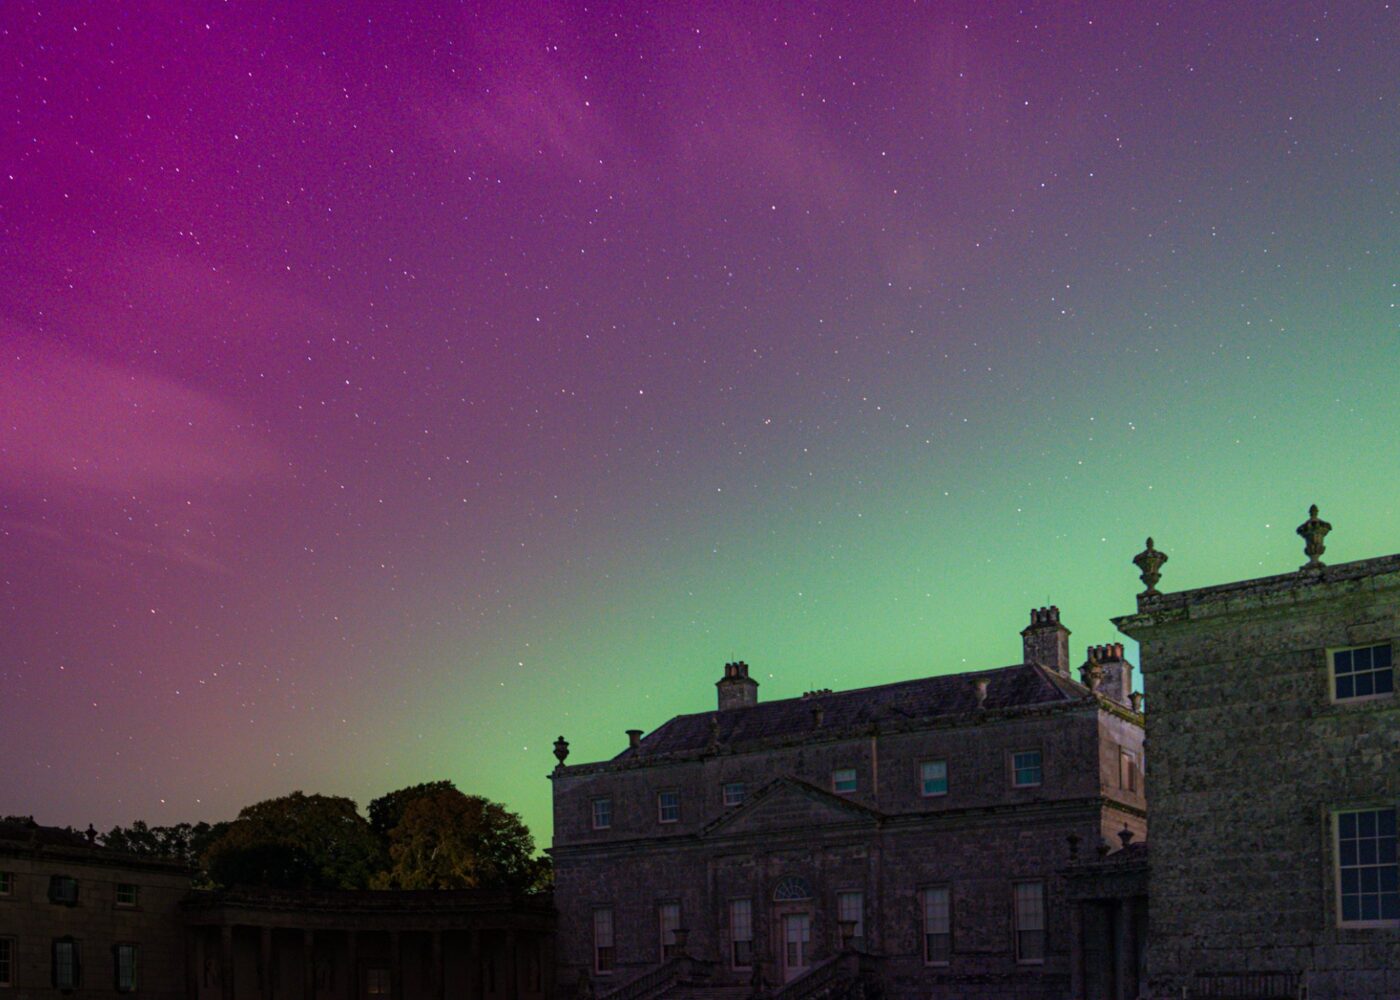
1021 686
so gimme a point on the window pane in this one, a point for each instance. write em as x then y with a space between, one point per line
1381 656
934 774
843 779
1385 681
1346 687
1342 661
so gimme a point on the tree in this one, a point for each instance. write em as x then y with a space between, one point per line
449 840
183 842
296 841
386 811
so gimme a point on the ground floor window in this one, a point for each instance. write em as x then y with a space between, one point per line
1367 871
669 918
938 924
604 957
1029 905
124 967
851 906
7 961
741 933
67 971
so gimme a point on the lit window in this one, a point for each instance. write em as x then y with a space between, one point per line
1025 768
851 906
1030 921
741 933
1127 770
7 883
378 982
668 806
933 777
63 889
734 793
7 961
938 925
603 953
602 814
67 972
1367 872
1364 672
126 894
669 918
843 780
124 959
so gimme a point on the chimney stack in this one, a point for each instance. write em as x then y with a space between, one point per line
736 688
817 715
634 737
979 688
1117 673
1046 641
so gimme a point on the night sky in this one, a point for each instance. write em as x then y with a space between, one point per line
384 393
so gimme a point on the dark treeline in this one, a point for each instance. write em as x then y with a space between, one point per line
428 836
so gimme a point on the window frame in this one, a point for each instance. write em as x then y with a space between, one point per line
135 896
947 890
1017 930
664 907
9 947
859 895
836 788
7 883
923 779
661 807
1040 768
611 947
117 949
1335 822
1360 699
735 941
731 802
605 801
63 898
1128 767
379 975
67 941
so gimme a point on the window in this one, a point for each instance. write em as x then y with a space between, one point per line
126 894
668 806
669 917
741 933
850 905
843 780
63 889
67 971
734 793
1366 867
933 777
1364 672
603 953
7 961
378 982
1030 921
1127 770
938 925
124 967
602 814
1025 768
7 883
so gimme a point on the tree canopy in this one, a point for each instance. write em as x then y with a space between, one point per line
297 841
449 840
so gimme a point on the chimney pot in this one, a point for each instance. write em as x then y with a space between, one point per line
634 737
736 688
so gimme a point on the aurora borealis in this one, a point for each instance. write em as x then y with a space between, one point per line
384 392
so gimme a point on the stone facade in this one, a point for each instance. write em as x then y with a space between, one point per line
1258 757
67 906
794 809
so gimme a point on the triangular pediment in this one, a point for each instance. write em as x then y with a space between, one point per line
788 804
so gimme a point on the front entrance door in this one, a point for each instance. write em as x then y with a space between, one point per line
797 935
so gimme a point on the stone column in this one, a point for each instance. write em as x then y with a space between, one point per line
1124 980
265 962
395 965
436 976
473 964
352 962
1076 950
308 965
512 983
226 961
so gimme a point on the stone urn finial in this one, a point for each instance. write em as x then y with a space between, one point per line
1313 531
1150 561
561 750
1125 835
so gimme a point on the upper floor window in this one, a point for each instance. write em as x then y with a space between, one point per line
1127 771
669 917
933 777
1363 672
734 793
668 806
741 933
603 954
124 967
602 814
63 889
7 961
67 971
1367 872
127 894
1029 906
850 906
1026 768
7 883
843 780
938 924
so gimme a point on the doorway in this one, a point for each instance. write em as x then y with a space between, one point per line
797 938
